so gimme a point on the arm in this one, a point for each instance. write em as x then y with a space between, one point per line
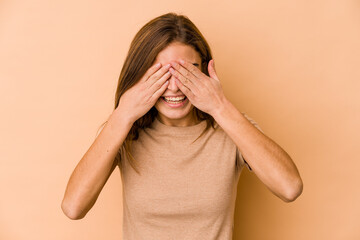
242 160
95 167
268 161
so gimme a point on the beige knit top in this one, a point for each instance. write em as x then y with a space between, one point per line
185 191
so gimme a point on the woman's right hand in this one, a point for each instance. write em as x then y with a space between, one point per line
140 98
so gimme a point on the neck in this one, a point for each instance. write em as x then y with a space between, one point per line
189 120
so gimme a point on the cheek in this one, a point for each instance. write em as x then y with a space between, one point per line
157 104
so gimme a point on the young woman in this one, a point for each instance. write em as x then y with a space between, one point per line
178 141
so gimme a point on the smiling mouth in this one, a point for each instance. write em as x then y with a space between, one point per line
174 102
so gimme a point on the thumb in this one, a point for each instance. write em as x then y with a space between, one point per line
211 70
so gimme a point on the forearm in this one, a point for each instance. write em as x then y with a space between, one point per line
268 160
95 167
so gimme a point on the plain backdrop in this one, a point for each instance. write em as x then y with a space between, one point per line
292 66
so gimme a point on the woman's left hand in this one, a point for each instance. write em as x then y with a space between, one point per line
204 92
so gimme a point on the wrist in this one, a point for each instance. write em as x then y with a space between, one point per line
220 110
121 117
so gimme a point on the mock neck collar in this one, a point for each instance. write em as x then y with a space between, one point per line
188 130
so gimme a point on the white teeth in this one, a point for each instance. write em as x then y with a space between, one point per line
174 98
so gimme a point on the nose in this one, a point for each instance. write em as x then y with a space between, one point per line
172 85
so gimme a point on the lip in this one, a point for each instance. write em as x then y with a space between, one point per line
174 96
175 105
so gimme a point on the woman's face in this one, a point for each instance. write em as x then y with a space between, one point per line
176 114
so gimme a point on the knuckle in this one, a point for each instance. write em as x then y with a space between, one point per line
143 86
158 84
175 65
145 76
148 99
152 77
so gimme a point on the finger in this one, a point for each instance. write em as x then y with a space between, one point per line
189 73
157 94
185 81
212 70
186 73
156 85
150 72
184 89
158 74
191 68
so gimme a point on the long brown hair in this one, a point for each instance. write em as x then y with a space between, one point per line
151 39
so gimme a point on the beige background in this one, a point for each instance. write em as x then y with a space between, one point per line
293 66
